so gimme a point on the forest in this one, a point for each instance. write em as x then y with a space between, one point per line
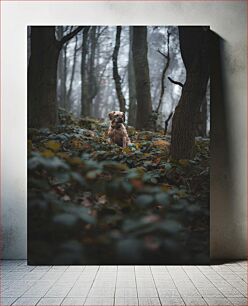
90 199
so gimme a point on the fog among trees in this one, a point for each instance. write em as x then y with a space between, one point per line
85 79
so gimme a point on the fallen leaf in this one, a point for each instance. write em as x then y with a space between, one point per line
52 145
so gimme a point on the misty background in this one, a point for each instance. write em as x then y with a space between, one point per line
99 67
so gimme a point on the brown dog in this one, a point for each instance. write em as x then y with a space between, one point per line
117 131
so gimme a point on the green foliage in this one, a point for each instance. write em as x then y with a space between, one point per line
94 202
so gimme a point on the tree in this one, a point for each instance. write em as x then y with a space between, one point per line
166 66
194 51
98 68
131 83
201 121
42 75
62 69
84 88
92 69
142 78
88 78
116 76
69 91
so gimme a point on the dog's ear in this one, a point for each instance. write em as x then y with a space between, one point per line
111 114
124 117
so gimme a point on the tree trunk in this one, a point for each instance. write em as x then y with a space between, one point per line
84 85
92 77
193 44
28 43
131 83
142 78
201 128
89 88
166 66
62 69
97 100
68 94
42 77
64 78
116 76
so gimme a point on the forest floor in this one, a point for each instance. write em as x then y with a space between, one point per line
90 202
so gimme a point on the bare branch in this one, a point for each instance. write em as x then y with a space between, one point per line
69 36
101 32
164 55
175 82
164 71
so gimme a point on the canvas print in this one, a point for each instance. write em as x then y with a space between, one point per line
118 145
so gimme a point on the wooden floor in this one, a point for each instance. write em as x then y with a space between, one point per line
123 285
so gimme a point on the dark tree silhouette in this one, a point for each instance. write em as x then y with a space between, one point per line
201 128
131 83
64 92
116 76
84 85
195 55
166 66
62 69
142 79
88 77
42 75
92 70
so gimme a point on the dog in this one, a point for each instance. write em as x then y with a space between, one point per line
117 131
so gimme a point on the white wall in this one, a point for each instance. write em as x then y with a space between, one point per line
229 142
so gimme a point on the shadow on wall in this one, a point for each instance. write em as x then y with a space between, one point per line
222 208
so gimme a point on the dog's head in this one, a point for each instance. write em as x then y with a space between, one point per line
117 117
